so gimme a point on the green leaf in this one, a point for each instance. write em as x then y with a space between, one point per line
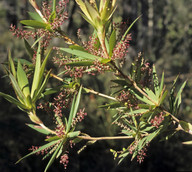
138 111
77 47
13 100
42 70
35 24
37 72
127 31
178 97
36 16
80 63
11 63
41 89
54 155
40 149
104 61
52 17
79 53
54 5
73 111
162 83
185 125
17 89
22 80
94 15
30 51
39 129
73 134
84 9
111 105
112 42
163 97
38 40
151 95
155 81
50 139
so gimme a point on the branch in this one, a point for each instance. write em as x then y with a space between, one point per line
105 138
100 94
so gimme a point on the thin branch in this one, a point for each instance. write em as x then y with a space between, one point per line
105 138
100 94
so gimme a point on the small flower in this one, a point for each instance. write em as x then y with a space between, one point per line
64 160
157 120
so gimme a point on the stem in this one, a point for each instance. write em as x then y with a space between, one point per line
87 89
100 94
133 82
105 138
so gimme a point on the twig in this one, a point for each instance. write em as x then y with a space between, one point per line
105 138
100 94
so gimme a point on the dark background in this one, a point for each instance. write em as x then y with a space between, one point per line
163 35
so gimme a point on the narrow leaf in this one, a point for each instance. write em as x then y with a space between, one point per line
80 53
11 63
13 100
127 31
39 129
40 149
30 51
35 24
54 155
22 80
37 72
112 42
36 16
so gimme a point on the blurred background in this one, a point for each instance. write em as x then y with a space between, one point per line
163 35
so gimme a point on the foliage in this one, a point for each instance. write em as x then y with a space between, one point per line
139 97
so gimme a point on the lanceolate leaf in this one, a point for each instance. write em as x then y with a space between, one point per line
52 17
112 42
11 63
55 154
73 111
39 129
40 149
80 63
162 84
22 80
42 70
17 89
178 97
13 100
36 73
127 31
30 51
35 24
155 81
36 16
40 90
82 54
